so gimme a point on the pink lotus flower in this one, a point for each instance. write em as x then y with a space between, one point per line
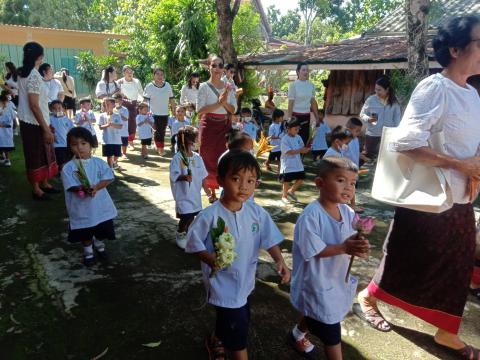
81 194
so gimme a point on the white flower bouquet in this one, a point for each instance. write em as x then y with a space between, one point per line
224 245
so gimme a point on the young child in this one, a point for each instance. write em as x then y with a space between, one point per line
91 211
323 239
340 137
7 119
86 118
253 229
291 166
187 177
319 141
145 124
249 125
353 152
111 124
236 122
237 140
61 125
179 122
123 112
274 132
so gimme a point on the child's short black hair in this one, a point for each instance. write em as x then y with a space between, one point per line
236 160
340 133
292 122
79 133
277 113
85 100
3 97
54 102
142 105
353 121
329 164
236 139
109 99
245 110
186 134
117 96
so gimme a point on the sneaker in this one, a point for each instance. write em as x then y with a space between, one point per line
285 200
7 163
124 157
88 262
300 347
181 240
292 196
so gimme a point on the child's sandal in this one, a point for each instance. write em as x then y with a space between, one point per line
215 348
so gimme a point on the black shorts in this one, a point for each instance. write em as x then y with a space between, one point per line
124 140
146 141
231 326
274 156
62 156
95 141
318 154
187 216
69 103
111 150
329 334
102 231
291 176
7 149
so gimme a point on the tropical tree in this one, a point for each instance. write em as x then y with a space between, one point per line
311 9
226 12
282 26
417 27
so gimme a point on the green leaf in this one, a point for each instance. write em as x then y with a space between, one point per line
153 344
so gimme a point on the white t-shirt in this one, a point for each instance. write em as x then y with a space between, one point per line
251 129
318 288
110 135
302 92
7 116
61 125
188 197
331 152
159 97
54 88
188 95
177 125
123 112
275 130
206 96
144 130
89 211
103 89
353 151
291 163
32 84
131 89
86 120
319 141
253 229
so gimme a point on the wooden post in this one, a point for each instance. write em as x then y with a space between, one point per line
417 27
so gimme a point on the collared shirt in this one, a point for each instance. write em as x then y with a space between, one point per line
253 229
32 84
331 152
123 112
89 116
177 125
319 141
302 92
291 163
88 211
275 130
61 125
387 115
318 288
353 151
251 129
111 135
144 130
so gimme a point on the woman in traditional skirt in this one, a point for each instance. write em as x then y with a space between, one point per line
301 101
429 257
33 113
215 102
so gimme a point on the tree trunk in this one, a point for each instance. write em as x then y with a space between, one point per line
226 14
417 27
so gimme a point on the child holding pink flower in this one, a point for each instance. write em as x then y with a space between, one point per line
90 209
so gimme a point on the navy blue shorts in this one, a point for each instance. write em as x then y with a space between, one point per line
62 155
318 154
232 325
291 176
329 334
111 150
124 140
103 231
146 141
274 156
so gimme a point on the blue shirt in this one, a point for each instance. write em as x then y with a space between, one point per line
275 130
318 289
111 135
251 129
291 163
61 125
89 116
319 140
253 229
144 130
123 112
353 151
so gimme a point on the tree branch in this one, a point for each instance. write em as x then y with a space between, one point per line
236 6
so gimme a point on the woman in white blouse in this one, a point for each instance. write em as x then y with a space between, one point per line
132 91
33 113
428 257
301 101
55 89
215 103
108 85
189 92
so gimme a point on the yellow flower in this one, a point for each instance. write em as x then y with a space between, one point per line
262 146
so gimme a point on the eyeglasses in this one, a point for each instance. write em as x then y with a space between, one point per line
214 66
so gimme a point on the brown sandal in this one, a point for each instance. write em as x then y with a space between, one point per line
373 318
468 352
215 348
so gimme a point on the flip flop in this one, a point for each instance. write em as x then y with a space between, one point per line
468 352
372 318
215 348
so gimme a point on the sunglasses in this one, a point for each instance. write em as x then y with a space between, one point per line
214 66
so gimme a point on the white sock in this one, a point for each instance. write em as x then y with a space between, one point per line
99 245
298 334
88 251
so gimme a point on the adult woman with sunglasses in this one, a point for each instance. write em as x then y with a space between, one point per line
215 102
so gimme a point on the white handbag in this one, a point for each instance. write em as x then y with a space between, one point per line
402 182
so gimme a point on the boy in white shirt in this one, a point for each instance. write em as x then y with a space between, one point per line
111 124
86 118
323 238
145 124
249 125
253 229
353 152
319 141
62 125
274 132
179 122
123 112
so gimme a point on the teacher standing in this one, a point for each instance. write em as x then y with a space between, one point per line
301 101
132 90
215 102
429 257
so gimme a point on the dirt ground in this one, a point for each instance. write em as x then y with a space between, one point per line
150 292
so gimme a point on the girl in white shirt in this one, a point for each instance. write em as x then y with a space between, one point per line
145 124
86 118
340 137
107 87
291 166
189 92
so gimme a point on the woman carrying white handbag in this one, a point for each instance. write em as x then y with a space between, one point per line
429 253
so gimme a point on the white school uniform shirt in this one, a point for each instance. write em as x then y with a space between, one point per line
318 289
158 97
110 135
291 163
123 112
302 92
104 89
331 152
250 128
54 88
188 198
89 211
275 130
7 116
353 151
319 141
62 126
253 229
177 125
90 116
188 95
144 130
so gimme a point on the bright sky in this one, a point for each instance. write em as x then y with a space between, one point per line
282 5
